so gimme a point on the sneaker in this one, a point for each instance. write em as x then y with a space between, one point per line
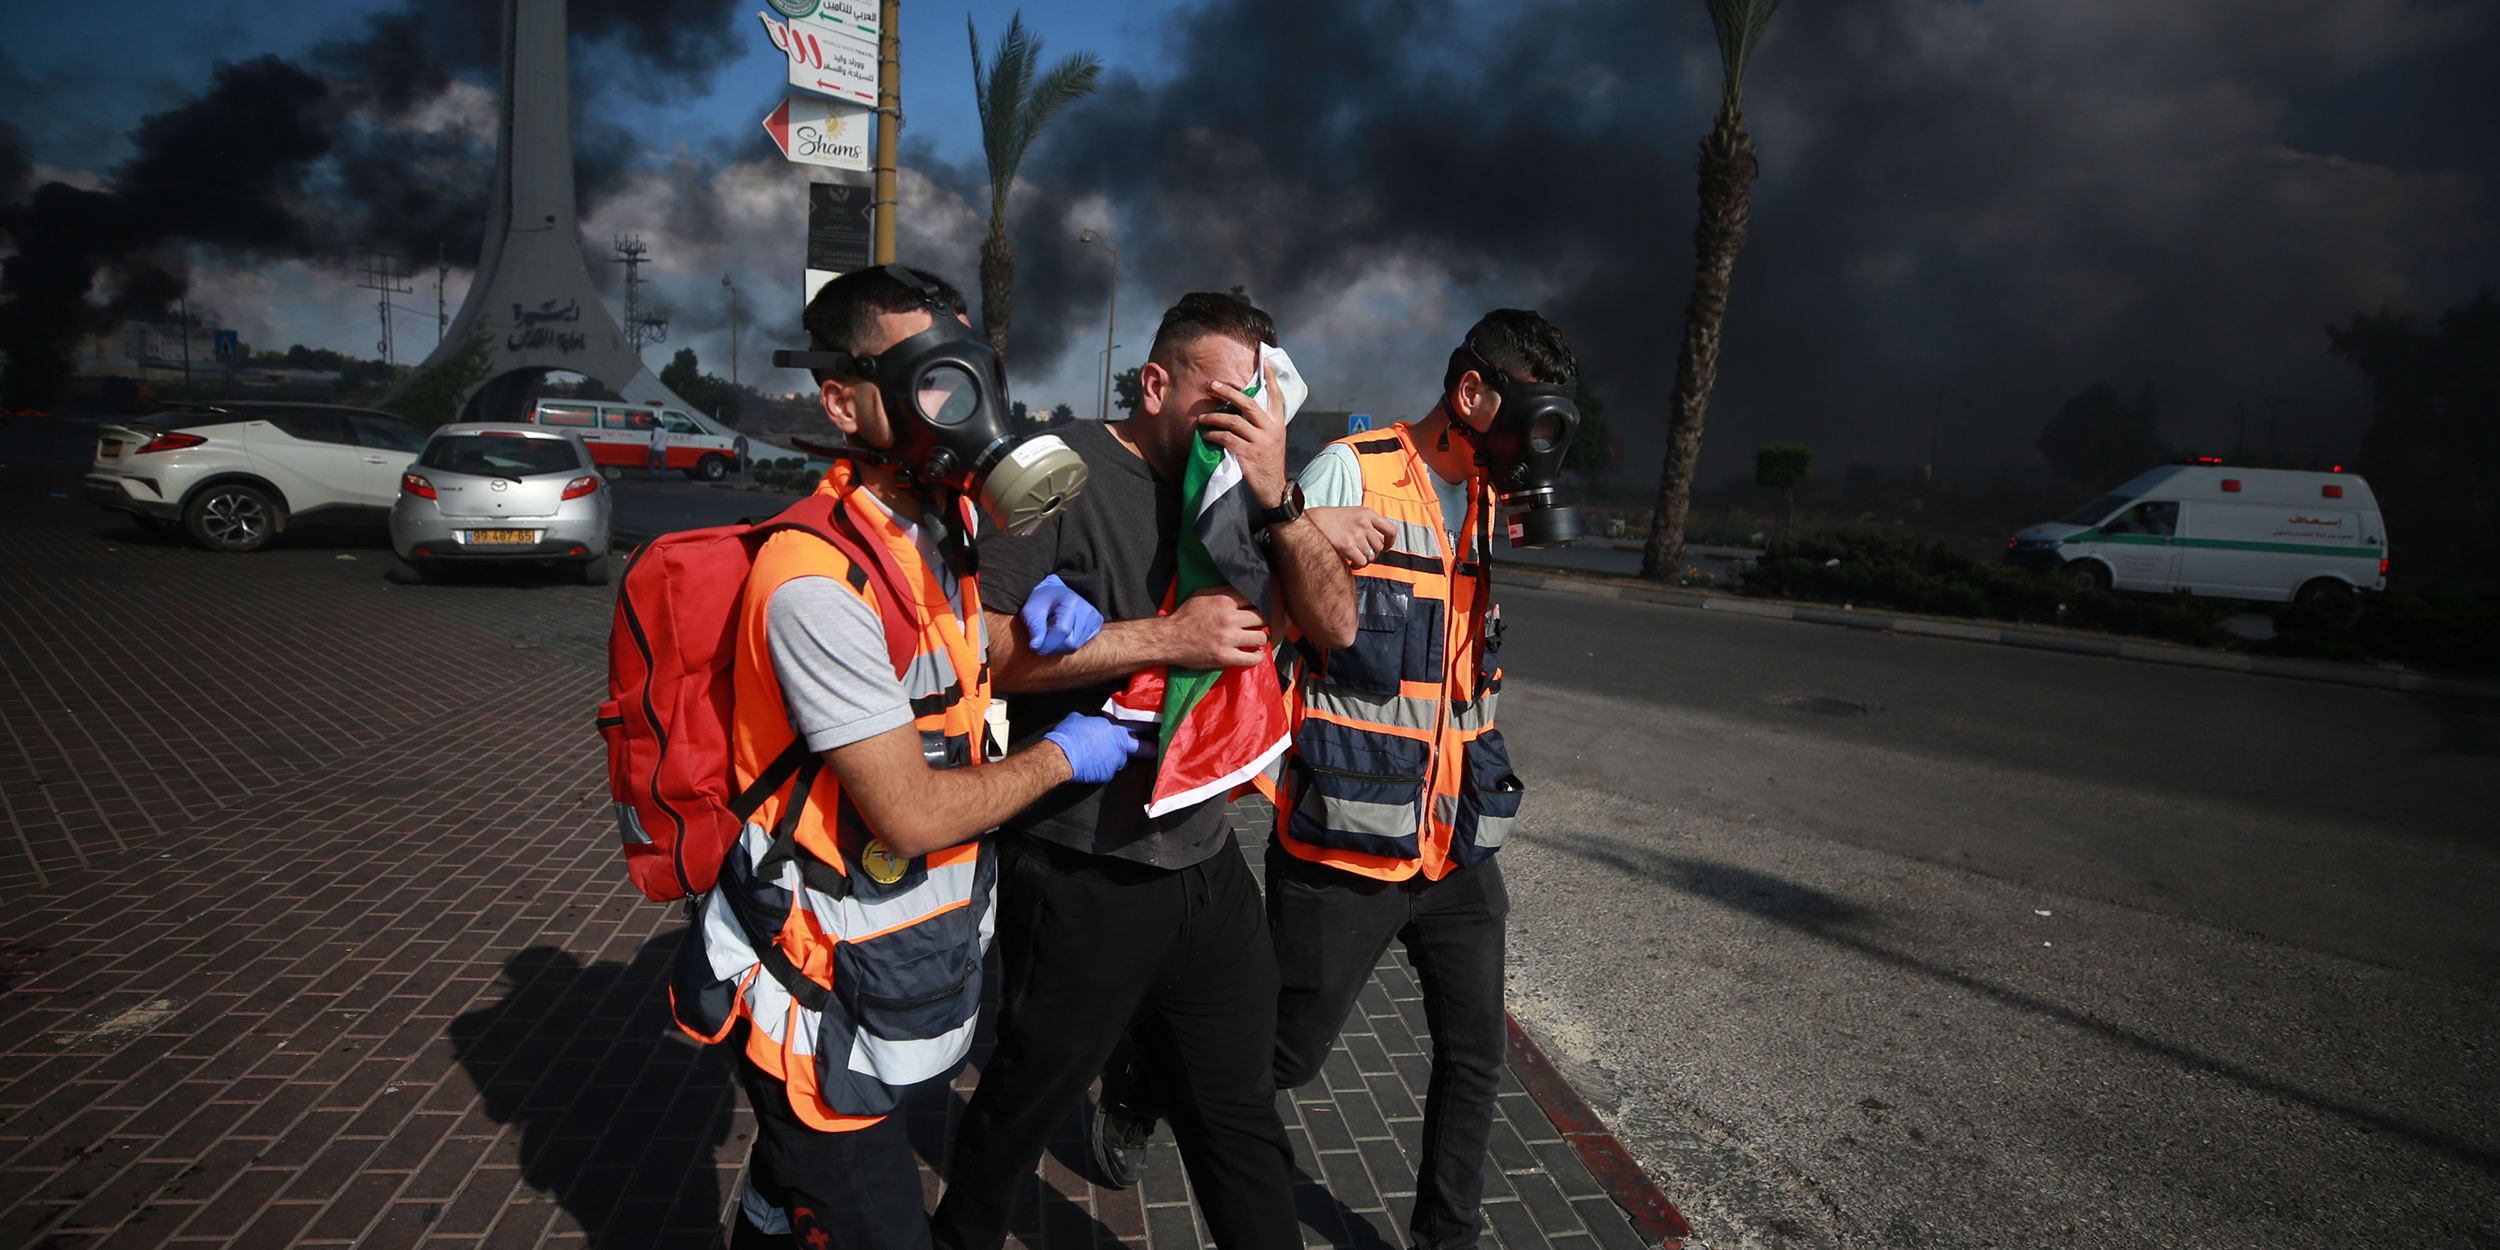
1119 1140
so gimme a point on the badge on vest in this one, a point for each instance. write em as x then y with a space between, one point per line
881 864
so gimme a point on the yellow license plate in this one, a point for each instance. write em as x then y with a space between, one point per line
503 536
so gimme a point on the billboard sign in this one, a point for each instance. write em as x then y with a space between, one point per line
826 58
840 231
813 130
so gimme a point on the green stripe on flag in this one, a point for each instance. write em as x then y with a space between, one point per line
1193 571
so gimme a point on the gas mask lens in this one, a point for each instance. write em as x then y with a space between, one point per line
947 394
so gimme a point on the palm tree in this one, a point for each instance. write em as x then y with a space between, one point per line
1727 173
1015 108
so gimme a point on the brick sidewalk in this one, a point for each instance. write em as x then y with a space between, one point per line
318 938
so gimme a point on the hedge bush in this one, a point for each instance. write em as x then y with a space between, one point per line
1872 570
2454 632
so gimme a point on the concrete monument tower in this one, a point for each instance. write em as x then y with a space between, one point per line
532 297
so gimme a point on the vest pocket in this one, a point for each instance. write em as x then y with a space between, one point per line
1361 791
1397 637
1488 800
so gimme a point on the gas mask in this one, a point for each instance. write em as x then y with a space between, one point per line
945 396
1523 454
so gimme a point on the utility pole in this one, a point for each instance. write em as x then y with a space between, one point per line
889 125
442 273
641 328
1110 319
186 347
1935 437
382 275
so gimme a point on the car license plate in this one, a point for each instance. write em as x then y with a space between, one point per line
503 536
112 447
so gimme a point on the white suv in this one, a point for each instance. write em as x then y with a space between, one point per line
233 475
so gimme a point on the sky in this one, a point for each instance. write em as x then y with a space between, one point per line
1968 209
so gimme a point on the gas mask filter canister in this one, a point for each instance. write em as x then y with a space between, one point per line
945 397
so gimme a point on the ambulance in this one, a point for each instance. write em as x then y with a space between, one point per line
619 436
2208 528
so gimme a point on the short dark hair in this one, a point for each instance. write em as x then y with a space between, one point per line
1517 342
845 310
1201 313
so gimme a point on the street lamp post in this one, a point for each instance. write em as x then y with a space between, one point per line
733 332
1110 319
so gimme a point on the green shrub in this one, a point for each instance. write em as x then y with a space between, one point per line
1858 568
2452 632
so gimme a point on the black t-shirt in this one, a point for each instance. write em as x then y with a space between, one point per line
1117 546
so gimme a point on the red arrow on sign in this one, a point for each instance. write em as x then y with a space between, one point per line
778 126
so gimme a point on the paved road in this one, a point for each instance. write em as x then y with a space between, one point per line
1885 941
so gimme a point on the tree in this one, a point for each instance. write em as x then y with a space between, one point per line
1782 467
1014 109
1593 448
708 392
1061 414
1726 193
433 396
2098 440
1128 389
2432 451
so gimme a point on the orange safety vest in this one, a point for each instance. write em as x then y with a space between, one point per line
859 971
1397 768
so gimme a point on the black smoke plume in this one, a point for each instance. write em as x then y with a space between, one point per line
1966 213
272 162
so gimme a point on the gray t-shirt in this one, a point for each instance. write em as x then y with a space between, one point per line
829 655
1117 546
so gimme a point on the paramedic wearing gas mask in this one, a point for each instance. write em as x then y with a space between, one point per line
1108 916
841 949
1399 789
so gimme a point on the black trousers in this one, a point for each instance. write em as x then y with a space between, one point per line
1331 927
1089 946
841 1191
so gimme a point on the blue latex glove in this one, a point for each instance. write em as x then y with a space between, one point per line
1097 746
1058 619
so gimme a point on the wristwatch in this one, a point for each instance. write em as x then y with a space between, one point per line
1285 511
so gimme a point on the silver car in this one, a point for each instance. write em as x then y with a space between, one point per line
496 494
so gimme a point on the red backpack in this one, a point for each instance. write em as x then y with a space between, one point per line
668 715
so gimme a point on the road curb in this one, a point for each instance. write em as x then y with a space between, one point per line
1652 1215
2402 681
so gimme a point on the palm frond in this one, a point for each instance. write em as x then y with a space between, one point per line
1739 25
1014 108
1071 80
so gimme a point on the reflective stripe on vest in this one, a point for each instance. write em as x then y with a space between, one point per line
1397 768
865 987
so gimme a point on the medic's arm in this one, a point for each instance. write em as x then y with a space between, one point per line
916 809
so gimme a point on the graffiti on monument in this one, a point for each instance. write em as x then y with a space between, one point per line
535 330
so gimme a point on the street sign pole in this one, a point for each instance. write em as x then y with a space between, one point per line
889 124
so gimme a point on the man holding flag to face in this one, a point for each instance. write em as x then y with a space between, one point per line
1129 904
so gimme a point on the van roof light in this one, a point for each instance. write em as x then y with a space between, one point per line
2331 491
2231 484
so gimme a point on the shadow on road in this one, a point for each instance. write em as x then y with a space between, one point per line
620 1115
1824 918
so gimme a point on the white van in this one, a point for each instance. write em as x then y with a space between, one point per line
2210 529
619 436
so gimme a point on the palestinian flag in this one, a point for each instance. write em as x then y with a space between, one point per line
1217 729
